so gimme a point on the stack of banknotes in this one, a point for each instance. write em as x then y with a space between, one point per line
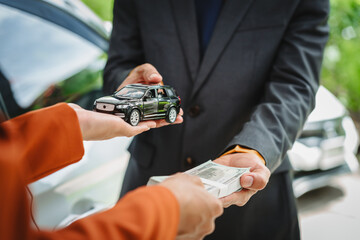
219 180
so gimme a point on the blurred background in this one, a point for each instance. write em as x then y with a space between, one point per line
55 50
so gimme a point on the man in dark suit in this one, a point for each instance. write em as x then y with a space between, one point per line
247 72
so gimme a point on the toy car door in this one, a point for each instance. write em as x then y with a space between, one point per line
150 102
163 100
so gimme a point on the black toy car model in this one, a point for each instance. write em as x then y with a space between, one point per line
137 102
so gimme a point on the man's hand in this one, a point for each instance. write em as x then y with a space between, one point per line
198 209
251 182
145 74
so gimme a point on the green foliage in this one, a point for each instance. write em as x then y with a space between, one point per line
71 89
341 67
103 8
81 83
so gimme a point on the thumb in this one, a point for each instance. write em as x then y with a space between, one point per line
150 74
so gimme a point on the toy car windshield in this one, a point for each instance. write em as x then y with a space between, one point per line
129 92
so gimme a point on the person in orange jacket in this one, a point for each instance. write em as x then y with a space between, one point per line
41 142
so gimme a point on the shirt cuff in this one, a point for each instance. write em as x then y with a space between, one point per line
239 149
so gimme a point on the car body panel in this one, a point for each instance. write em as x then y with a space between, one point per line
151 106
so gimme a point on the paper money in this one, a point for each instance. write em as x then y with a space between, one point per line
219 180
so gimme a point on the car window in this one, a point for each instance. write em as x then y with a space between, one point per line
35 53
129 92
161 93
151 93
169 92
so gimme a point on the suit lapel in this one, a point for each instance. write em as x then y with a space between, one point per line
230 17
185 20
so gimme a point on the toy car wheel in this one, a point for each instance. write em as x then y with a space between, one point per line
171 116
134 118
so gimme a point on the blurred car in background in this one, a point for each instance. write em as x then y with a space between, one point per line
52 51
55 50
327 146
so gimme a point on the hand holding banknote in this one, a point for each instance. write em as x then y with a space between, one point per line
198 209
251 182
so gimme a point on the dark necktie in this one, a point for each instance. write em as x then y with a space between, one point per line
207 13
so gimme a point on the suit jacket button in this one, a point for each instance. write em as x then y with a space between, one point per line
194 111
189 162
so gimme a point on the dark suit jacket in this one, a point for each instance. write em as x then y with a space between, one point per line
254 87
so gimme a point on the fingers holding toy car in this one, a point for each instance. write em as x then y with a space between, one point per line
251 182
97 126
143 96
143 74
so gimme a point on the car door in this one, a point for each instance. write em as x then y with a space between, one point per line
150 102
163 100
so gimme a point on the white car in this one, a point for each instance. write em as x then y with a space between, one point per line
326 147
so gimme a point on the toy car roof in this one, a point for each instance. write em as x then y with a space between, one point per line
143 86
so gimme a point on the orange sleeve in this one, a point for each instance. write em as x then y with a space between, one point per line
238 149
55 141
43 141
145 213
14 205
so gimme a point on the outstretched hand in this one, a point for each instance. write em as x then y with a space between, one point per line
100 126
251 182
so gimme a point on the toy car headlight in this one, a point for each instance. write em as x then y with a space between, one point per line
121 106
